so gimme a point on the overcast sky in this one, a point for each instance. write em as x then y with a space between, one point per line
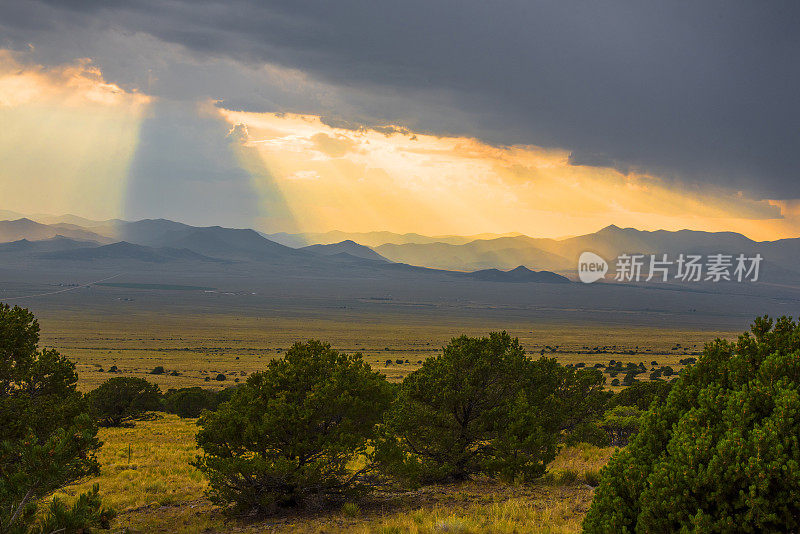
702 95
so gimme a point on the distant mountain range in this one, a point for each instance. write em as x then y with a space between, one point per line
489 258
160 241
34 231
780 257
373 239
494 280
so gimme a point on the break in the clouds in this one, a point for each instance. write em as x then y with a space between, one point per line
695 92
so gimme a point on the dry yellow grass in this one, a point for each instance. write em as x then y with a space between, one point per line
156 490
198 347
146 465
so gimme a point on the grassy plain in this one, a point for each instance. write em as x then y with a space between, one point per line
195 348
146 477
146 474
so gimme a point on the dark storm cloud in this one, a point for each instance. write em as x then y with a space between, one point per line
698 92
591 159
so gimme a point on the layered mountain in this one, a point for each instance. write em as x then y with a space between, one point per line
160 241
373 239
211 241
518 275
345 247
609 243
164 240
18 229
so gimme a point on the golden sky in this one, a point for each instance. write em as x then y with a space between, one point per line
68 138
409 182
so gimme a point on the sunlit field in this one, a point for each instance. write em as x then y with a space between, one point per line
194 349
146 476
145 472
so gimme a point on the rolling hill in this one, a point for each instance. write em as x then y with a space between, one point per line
345 247
519 275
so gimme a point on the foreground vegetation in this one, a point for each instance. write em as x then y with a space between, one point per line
482 436
47 437
722 453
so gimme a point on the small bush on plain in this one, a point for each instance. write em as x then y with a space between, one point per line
123 399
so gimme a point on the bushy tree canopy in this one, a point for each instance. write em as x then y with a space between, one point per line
190 402
641 394
289 435
479 407
621 422
123 399
722 453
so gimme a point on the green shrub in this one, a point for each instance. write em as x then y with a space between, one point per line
122 399
480 407
47 440
351 509
85 512
641 394
629 379
722 453
190 402
620 423
157 370
289 435
588 433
